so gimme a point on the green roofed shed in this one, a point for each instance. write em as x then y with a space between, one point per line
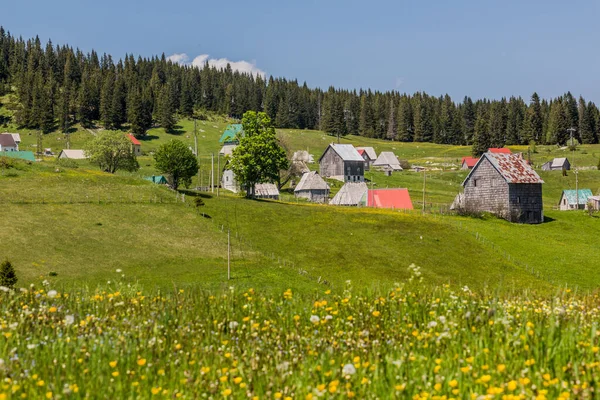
229 136
158 179
23 155
570 198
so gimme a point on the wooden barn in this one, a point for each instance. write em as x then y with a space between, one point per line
387 160
557 164
350 194
136 145
266 191
313 188
342 161
574 199
504 184
368 154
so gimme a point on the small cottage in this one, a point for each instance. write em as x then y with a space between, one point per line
7 143
136 145
574 199
366 157
387 161
227 150
230 136
594 202
468 162
72 154
16 137
266 191
158 179
342 161
368 154
506 185
350 194
228 181
557 164
396 199
313 188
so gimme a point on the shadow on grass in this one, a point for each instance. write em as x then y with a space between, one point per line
194 193
547 219
146 138
177 130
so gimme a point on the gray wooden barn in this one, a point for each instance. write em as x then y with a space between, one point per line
557 164
342 161
506 185
313 188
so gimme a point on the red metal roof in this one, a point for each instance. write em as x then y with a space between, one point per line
497 150
133 139
389 198
471 161
360 151
513 168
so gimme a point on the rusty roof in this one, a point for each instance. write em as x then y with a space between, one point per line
512 167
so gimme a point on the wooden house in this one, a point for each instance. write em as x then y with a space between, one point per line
73 154
468 162
393 198
136 145
7 143
574 199
387 161
350 194
557 164
342 161
228 181
369 155
506 185
313 188
499 150
266 191
594 202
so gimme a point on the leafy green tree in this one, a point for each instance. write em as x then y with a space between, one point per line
177 161
259 157
8 276
112 151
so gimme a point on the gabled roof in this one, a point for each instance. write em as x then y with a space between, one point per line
387 158
512 167
559 162
160 179
227 150
133 140
471 161
499 150
16 136
350 194
571 196
388 198
265 189
73 154
370 152
347 152
311 181
231 132
7 140
23 155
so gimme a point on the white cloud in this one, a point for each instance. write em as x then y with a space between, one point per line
219 63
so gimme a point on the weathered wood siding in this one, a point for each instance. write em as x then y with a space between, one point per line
331 164
314 195
486 190
526 203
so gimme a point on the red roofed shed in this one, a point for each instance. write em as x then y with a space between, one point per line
136 144
498 150
389 198
468 162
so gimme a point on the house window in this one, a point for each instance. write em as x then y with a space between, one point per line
518 200
474 182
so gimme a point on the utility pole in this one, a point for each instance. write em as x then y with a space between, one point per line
218 172
212 172
424 181
228 254
571 130
197 155
577 189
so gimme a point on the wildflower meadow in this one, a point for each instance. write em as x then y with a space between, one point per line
412 341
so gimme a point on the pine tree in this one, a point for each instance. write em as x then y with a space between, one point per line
8 276
165 109
534 121
497 123
481 139
118 110
106 100
366 121
46 118
64 109
392 126
557 123
469 116
405 120
445 134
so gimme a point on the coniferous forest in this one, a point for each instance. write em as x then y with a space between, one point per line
57 86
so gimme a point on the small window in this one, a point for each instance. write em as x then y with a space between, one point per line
518 200
475 182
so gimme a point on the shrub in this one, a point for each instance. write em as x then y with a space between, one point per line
67 163
8 276
405 164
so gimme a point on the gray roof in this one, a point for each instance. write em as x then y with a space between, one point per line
350 194
558 162
7 140
311 181
265 189
227 150
73 154
387 158
346 151
370 152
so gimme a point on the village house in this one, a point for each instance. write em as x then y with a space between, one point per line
72 154
369 155
342 161
350 194
574 199
394 198
557 164
230 139
16 137
136 146
313 188
499 150
228 181
594 202
468 162
158 179
7 143
387 160
506 185
266 191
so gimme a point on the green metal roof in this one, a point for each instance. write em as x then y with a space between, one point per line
23 155
230 133
159 179
571 196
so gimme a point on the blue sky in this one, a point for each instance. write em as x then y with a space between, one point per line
477 48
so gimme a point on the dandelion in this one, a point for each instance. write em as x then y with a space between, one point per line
141 362
69 320
511 386
115 373
348 369
314 319
112 364
376 313
52 309
155 390
52 294
226 392
453 383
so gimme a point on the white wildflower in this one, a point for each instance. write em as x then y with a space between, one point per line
52 294
329 317
69 320
4 289
14 325
348 369
314 319
442 319
432 324
233 325
119 270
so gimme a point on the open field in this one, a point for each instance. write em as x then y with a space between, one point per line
412 341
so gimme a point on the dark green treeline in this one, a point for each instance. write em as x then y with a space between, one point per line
58 86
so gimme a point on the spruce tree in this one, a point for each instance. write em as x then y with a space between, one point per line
468 116
8 276
481 139
366 122
557 124
165 111
106 100
405 120
392 126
